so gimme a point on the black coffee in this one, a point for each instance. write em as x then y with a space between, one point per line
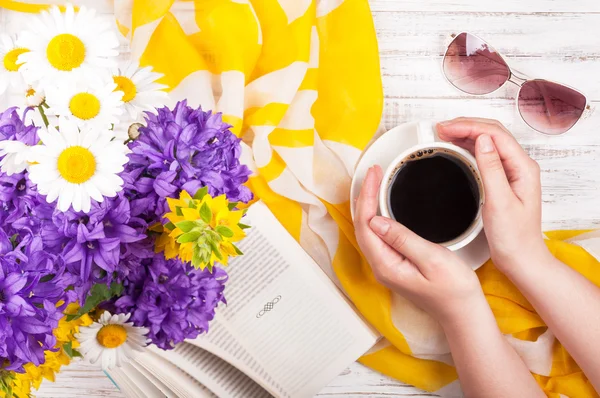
435 195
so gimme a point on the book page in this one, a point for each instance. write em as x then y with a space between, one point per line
178 381
285 324
145 385
216 374
133 385
166 391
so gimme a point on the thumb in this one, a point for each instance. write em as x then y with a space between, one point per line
495 182
418 250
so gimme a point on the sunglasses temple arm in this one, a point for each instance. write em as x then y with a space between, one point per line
547 101
588 112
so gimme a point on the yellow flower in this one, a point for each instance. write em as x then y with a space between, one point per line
201 229
54 360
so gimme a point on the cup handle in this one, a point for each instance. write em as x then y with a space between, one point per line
426 132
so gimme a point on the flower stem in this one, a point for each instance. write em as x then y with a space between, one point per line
44 117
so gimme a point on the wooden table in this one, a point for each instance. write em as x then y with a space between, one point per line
554 39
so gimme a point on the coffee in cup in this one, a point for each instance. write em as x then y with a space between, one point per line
435 190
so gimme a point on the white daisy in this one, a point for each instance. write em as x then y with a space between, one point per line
112 340
33 97
95 104
75 167
66 45
15 157
10 65
139 87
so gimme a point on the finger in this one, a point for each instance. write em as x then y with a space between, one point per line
366 209
366 206
422 253
519 167
468 129
495 183
389 267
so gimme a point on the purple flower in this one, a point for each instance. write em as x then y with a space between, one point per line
13 128
174 300
17 196
91 244
30 289
183 149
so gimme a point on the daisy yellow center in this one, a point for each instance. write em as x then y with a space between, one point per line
11 59
65 52
111 336
76 164
84 106
30 92
125 85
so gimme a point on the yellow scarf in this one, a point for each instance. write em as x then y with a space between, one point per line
299 80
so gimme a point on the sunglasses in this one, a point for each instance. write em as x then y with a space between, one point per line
474 67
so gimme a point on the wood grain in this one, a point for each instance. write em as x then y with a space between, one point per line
554 39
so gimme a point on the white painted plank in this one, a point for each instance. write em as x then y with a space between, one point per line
79 379
422 76
514 34
521 6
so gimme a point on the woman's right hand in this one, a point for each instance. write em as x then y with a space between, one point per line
512 214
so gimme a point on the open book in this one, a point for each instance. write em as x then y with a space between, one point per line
286 331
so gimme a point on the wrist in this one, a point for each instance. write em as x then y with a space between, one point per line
472 316
529 259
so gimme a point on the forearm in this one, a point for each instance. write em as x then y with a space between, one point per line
570 306
487 365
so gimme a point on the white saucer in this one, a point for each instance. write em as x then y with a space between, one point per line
382 152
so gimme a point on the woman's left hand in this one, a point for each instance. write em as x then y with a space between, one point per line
428 274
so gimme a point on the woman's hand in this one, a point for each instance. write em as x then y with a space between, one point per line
429 275
512 214
436 280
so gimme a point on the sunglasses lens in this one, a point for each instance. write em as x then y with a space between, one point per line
550 108
474 67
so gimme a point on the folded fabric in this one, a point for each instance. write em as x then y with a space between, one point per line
300 83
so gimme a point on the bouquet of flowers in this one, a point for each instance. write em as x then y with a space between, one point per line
116 211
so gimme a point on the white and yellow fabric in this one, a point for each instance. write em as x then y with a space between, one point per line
299 81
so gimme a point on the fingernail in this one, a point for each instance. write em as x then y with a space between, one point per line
486 145
380 225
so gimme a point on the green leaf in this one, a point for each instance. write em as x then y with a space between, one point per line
98 294
47 278
185 226
196 258
77 354
13 240
215 250
205 213
237 250
244 226
178 211
201 193
189 237
170 226
68 347
224 231
233 205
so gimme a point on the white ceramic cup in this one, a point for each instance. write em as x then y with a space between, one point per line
427 140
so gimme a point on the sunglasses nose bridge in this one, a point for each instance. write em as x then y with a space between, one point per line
516 79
